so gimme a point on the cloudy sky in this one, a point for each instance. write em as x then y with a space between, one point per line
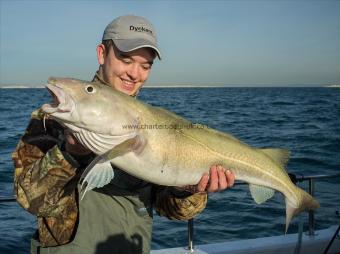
232 43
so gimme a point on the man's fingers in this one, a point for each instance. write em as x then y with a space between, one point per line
222 178
69 137
202 185
230 178
213 183
218 180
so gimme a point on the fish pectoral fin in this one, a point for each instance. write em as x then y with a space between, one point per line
100 172
260 193
97 174
280 156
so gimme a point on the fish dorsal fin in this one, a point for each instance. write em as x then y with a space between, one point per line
260 193
280 156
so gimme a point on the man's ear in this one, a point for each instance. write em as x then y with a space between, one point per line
101 53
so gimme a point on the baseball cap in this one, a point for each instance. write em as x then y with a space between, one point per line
131 32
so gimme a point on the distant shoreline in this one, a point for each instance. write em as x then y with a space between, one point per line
21 87
193 86
336 85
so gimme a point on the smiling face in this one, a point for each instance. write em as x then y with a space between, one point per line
126 72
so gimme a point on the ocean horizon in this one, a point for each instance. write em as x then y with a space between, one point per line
4 86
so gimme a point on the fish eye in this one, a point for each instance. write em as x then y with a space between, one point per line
90 89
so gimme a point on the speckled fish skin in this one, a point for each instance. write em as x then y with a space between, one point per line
166 149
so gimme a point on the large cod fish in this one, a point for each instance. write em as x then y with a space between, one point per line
161 147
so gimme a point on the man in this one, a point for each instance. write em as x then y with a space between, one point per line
116 218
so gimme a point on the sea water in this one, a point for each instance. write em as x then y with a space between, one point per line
304 120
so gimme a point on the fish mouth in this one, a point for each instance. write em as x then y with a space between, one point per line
61 101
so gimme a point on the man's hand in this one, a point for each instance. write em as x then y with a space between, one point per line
219 179
73 146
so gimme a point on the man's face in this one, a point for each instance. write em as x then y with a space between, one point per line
126 72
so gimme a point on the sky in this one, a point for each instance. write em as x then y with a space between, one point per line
228 43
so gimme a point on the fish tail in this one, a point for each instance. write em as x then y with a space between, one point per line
302 202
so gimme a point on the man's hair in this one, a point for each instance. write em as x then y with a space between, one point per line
108 44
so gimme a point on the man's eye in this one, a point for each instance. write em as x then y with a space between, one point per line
146 66
126 60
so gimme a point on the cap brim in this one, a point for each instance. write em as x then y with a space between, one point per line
128 45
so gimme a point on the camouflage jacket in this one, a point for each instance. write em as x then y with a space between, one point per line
46 177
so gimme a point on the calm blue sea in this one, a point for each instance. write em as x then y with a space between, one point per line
304 120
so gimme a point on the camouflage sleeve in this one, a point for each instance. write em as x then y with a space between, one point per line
179 205
44 181
39 179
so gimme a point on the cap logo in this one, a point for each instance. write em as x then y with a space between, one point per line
140 29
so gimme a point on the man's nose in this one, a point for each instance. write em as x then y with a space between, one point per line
133 71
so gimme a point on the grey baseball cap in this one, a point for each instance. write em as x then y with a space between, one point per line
130 33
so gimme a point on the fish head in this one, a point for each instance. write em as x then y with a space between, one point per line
81 105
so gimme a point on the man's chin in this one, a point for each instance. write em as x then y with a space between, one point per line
128 91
